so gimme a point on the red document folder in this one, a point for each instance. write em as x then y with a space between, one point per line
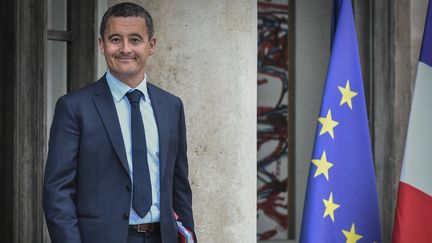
185 235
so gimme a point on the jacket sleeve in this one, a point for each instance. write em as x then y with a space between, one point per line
182 198
60 173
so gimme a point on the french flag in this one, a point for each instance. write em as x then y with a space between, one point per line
413 217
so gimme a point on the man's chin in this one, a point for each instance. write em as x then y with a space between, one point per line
126 71
125 74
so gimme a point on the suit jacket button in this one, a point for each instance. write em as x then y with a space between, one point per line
128 188
126 216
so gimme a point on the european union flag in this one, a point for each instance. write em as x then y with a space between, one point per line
341 202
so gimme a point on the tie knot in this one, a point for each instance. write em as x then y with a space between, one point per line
134 96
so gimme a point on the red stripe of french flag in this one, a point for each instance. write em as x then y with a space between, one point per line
413 217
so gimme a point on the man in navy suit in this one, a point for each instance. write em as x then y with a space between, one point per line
117 167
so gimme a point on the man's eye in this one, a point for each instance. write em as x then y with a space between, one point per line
115 40
135 40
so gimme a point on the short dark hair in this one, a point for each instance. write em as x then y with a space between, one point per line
127 10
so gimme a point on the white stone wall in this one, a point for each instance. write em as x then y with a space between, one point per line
206 54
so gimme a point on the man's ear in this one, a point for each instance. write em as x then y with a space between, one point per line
101 46
152 43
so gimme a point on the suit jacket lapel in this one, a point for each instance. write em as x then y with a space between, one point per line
162 118
105 105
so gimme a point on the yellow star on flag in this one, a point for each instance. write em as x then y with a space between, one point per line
347 94
330 207
322 166
327 124
352 236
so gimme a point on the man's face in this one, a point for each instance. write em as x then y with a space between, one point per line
126 47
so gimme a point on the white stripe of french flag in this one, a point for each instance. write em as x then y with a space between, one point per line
413 217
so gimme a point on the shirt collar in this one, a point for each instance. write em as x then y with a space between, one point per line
119 89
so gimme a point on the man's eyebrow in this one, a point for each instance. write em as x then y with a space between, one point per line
136 35
113 35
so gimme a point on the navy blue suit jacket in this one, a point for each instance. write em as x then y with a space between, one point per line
86 194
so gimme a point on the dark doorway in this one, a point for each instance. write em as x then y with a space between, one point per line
7 44
24 96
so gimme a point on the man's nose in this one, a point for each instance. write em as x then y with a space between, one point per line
125 48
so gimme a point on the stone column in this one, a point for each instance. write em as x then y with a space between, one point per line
206 54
